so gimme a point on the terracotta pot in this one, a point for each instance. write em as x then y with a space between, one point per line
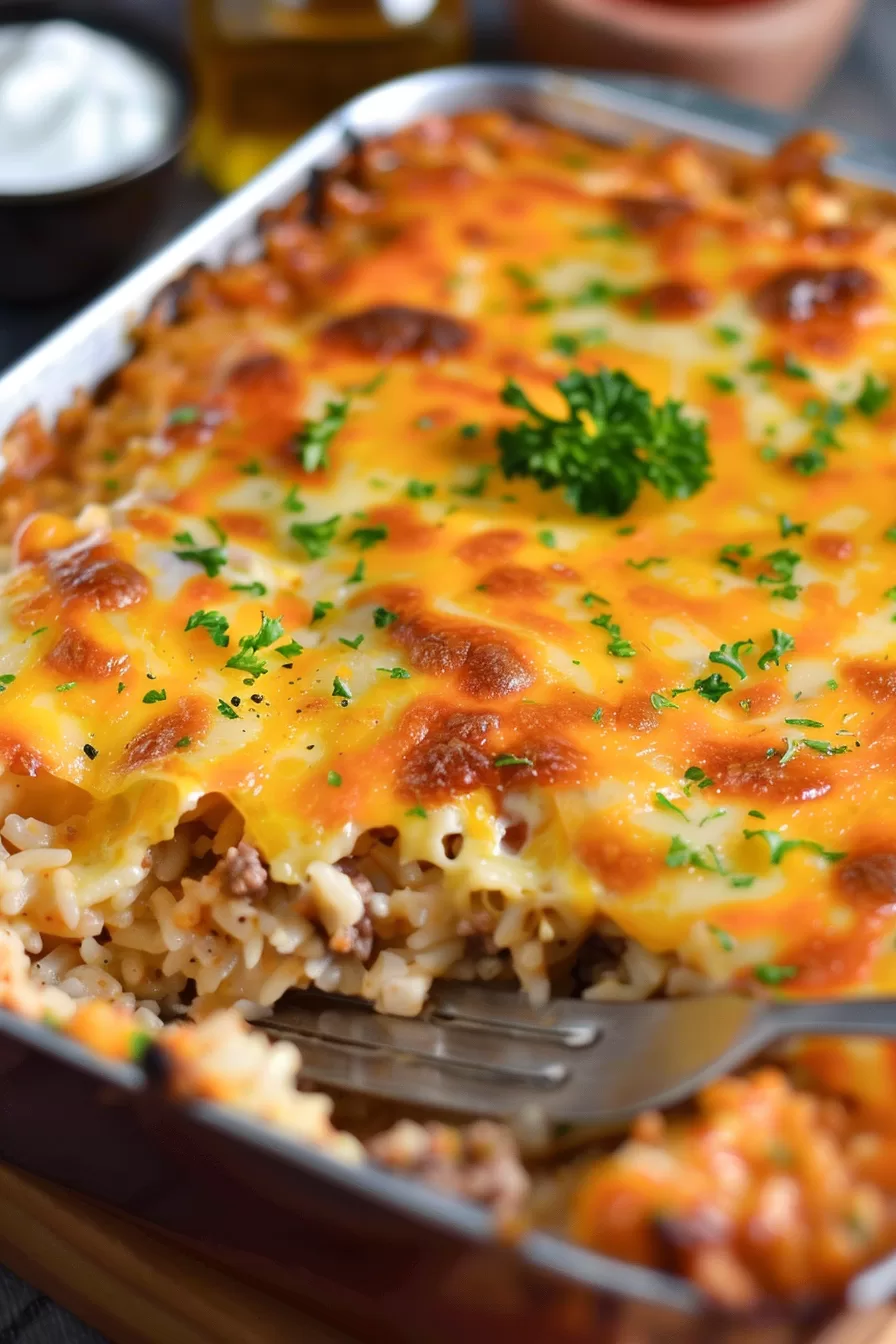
773 52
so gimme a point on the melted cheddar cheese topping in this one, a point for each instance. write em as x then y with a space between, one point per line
682 718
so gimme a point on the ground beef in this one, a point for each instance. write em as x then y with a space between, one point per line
243 872
479 1161
358 940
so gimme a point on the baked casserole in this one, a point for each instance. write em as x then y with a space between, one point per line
493 579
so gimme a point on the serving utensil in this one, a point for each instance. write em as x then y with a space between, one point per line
487 1051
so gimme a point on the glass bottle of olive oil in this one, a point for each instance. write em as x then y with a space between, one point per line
268 69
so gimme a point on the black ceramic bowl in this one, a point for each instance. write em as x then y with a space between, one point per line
56 243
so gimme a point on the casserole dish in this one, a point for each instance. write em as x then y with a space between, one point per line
81 356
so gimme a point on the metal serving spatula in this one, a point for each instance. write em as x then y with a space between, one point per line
487 1052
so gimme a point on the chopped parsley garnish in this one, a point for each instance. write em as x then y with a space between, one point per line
728 335
469 431
369 536
680 855
183 742
825 418
874 396
383 617
712 687
475 488
255 589
787 528
214 622
519 276
396 673
779 847
319 611
315 538
211 558
90 752
721 383
567 344
340 690
291 502
507 759
732 554
660 701
617 647
546 538
793 746
67 686
334 779
724 940
614 231
597 715
564 343
782 564
154 697
312 442
731 657
694 775
804 723
250 468
647 562
614 439
121 687
761 365
291 649
589 599
665 805
824 748
352 643
794 369
781 643
184 415
417 811
421 489
600 291
246 659
226 711
775 975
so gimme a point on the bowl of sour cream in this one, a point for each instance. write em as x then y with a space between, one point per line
94 114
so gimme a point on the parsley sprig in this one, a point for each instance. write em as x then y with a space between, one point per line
614 439
312 442
246 659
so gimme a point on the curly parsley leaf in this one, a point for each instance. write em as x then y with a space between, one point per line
730 657
211 558
614 439
214 622
712 687
315 538
874 396
781 643
779 847
312 442
369 536
246 659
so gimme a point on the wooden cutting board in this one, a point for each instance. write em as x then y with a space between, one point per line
138 1287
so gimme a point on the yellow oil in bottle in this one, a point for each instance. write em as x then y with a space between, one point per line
268 69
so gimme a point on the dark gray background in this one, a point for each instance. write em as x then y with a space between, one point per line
859 97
